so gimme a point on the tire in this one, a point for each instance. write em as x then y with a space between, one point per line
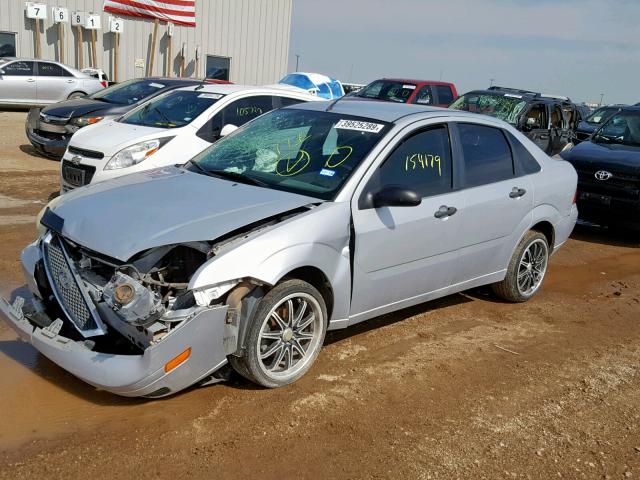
271 341
76 95
528 263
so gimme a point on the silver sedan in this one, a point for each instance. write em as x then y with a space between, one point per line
40 82
310 218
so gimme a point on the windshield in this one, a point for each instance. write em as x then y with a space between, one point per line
172 110
506 107
388 90
600 115
622 128
129 92
307 152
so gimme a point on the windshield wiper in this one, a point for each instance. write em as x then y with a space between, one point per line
236 176
162 114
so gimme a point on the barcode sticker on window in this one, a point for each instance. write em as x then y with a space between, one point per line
359 126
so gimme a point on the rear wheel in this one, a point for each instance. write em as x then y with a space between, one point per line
526 269
76 95
285 335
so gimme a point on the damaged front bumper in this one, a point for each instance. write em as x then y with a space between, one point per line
147 375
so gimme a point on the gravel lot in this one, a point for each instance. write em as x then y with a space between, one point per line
465 387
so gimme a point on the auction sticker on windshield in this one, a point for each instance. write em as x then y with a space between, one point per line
214 96
156 85
359 126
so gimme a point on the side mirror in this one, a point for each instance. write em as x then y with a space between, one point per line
227 129
395 196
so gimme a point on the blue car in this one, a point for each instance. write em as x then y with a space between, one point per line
316 83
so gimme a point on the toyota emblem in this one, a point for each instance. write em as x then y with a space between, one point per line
603 175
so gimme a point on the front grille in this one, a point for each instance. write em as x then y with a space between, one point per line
65 287
86 153
50 135
53 119
621 185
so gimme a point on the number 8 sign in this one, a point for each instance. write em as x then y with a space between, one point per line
78 18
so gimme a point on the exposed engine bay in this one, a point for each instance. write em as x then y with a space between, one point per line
125 308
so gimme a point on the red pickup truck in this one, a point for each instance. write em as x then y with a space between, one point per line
421 92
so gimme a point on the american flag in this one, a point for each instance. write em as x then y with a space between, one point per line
180 12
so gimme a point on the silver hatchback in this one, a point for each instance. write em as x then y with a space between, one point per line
41 82
309 218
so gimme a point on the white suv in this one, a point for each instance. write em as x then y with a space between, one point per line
167 130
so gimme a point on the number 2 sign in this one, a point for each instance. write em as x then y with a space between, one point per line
116 25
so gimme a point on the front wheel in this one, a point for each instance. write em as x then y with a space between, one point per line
285 335
526 270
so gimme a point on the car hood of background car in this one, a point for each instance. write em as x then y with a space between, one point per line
164 206
618 157
83 106
112 136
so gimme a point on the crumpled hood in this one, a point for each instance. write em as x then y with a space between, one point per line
617 157
159 207
109 137
78 107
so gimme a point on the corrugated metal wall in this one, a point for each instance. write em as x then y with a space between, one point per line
253 33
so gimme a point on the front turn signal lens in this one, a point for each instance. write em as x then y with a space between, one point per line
177 361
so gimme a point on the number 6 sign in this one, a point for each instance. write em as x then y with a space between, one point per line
60 15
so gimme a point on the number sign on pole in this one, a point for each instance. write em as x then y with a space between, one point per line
78 20
36 11
116 26
60 16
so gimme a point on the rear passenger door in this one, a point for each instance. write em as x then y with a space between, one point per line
53 83
559 130
498 202
535 125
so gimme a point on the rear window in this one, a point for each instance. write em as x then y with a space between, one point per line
445 95
172 110
388 90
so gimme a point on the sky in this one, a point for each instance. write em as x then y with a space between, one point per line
578 48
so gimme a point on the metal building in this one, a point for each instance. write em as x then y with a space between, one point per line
244 41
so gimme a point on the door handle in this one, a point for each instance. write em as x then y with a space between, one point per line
517 192
69 81
543 136
30 80
444 212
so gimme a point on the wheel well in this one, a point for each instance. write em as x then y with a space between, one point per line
319 280
547 230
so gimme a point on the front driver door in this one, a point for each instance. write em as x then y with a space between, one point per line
18 82
402 254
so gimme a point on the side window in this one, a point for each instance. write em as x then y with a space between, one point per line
51 70
19 68
424 96
236 113
421 162
280 102
536 117
556 117
241 111
487 155
444 94
527 162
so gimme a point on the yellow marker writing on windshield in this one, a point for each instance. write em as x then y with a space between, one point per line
346 149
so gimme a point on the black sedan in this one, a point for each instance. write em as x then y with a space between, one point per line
608 167
594 121
49 129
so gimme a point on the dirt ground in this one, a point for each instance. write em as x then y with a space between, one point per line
465 387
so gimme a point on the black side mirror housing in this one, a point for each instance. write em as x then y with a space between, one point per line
394 196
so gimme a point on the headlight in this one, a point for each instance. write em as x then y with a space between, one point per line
84 121
134 154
